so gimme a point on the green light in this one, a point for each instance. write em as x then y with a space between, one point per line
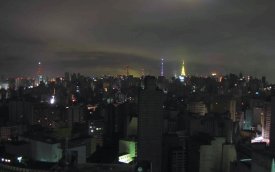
128 147
273 166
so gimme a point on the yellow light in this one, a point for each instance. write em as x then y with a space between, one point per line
183 70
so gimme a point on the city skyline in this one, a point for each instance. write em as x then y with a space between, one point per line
93 37
137 86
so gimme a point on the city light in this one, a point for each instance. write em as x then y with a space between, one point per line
181 77
19 159
246 160
52 100
5 160
159 86
73 98
140 169
257 140
214 74
125 159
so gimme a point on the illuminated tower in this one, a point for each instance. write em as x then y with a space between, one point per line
39 69
183 70
39 74
161 71
182 74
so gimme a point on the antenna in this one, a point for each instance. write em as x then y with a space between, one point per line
127 70
39 69
161 71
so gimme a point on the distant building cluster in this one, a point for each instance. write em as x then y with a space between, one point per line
217 123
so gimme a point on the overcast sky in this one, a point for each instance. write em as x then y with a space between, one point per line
97 37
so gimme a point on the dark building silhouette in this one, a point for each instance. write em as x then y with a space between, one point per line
150 125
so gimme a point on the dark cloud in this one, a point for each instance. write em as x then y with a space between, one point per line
88 61
89 35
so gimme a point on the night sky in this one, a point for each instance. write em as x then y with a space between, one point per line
97 37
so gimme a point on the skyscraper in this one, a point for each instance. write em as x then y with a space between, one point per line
266 122
272 125
150 125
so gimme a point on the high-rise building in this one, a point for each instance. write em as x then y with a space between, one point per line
67 76
211 155
150 125
177 160
272 124
266 123
174 152
197 108
74 115
229 155
21 112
